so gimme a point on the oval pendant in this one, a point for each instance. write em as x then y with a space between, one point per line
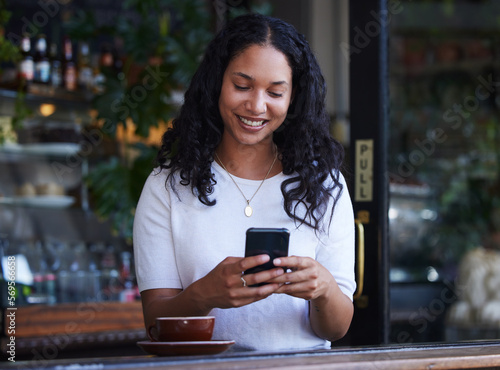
248 211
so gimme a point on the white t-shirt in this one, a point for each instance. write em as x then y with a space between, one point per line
178 240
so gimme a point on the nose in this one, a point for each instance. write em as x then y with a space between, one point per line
256 103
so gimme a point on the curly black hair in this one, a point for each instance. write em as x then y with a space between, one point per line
308 153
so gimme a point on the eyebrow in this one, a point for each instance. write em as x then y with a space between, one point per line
247 77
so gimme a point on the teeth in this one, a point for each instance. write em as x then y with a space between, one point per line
251 123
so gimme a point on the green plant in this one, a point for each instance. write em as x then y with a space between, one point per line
10 53
163 43
116 187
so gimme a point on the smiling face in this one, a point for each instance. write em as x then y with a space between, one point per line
255 95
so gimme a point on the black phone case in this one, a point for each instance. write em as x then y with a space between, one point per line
270 241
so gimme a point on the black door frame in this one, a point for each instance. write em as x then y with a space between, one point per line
369 117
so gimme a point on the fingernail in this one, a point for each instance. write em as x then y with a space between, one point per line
277 262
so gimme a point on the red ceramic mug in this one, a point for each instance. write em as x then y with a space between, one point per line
182 329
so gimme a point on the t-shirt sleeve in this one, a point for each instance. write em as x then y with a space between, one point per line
336 252
154 252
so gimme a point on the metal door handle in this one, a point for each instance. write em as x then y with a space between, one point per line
360 270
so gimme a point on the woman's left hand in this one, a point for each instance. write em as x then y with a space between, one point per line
330 310
306 279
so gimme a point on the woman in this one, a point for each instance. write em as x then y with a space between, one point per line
250 148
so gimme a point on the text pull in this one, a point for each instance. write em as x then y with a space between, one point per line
363 184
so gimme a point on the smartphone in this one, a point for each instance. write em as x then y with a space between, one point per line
270 241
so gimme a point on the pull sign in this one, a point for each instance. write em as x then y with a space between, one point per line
363 191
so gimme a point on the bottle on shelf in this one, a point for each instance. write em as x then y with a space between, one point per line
93 276
69 66
103 67
38 283
50 288
106 59
39 269
26 65
78 271
110 276
55 66
128 294
85 73
64 287
41 60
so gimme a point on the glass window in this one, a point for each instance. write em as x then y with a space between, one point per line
444 171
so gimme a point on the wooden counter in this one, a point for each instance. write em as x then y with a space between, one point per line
68 327
458 356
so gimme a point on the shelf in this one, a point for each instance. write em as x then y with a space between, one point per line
40 201
79 318
42 149
77 325
46 93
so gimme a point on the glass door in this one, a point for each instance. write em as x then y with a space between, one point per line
443 171
425 155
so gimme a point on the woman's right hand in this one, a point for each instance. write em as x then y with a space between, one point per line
223 287
220 288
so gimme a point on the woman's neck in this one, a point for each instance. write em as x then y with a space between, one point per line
249 162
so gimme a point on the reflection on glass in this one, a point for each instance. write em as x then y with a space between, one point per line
444 171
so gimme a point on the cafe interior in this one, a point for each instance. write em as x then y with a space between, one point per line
413 96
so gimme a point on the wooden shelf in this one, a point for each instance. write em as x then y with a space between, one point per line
76 318
74 326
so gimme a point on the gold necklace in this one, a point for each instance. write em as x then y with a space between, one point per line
248 208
